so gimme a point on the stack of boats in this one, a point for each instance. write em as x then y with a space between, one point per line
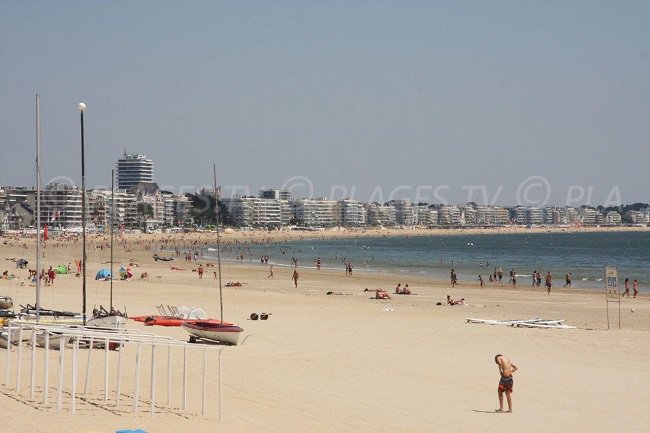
525 323
195 322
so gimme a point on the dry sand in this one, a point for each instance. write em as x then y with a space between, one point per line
343 363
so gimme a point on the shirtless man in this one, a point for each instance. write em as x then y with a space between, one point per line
506 369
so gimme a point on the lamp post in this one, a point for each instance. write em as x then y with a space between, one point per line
82 108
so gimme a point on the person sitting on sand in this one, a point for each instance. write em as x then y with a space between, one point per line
406 290
398 289
144 276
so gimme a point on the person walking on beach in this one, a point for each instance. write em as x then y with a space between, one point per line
513 278
506 383
295 278
480 280
200 272
500 273
567 279
270 272
627 288
534 277
635 286
549 282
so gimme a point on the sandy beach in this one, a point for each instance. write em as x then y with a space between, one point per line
343 362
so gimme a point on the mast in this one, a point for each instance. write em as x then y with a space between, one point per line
82 107
38 207
112 215
216 209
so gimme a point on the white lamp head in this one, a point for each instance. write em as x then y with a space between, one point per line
82 106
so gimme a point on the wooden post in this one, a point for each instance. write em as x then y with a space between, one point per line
106 344
136 391
9 334
88 364
184 399
32 375
205 374
119 373
152 384
75 353
20 353
169 375
61 376
220 385
46 362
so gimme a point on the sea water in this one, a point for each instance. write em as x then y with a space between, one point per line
583 254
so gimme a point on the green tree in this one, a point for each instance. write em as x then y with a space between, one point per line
203 209
145 211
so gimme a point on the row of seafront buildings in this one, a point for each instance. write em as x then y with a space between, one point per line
139 203
144 205
61 207
268 209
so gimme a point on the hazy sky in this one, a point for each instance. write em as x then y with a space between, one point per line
539 102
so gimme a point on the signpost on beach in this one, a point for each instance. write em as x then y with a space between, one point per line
611 291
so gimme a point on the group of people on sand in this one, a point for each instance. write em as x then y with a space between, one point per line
635 286
399 290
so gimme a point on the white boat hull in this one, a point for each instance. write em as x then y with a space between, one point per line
4 341
108 322
55 341
226 334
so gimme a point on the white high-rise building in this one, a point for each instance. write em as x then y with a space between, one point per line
132 170
61 205
318 212
353 212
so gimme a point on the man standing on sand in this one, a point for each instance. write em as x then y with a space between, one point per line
295 278
549 282
567 280
506 369
270 273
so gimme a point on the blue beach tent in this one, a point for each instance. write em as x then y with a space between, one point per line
103 274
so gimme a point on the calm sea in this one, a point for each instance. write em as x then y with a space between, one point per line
582 254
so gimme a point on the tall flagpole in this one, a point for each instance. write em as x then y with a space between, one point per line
82 107
38 207
112 216
216 208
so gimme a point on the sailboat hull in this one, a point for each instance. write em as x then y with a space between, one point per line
209 330
55 341
108 322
